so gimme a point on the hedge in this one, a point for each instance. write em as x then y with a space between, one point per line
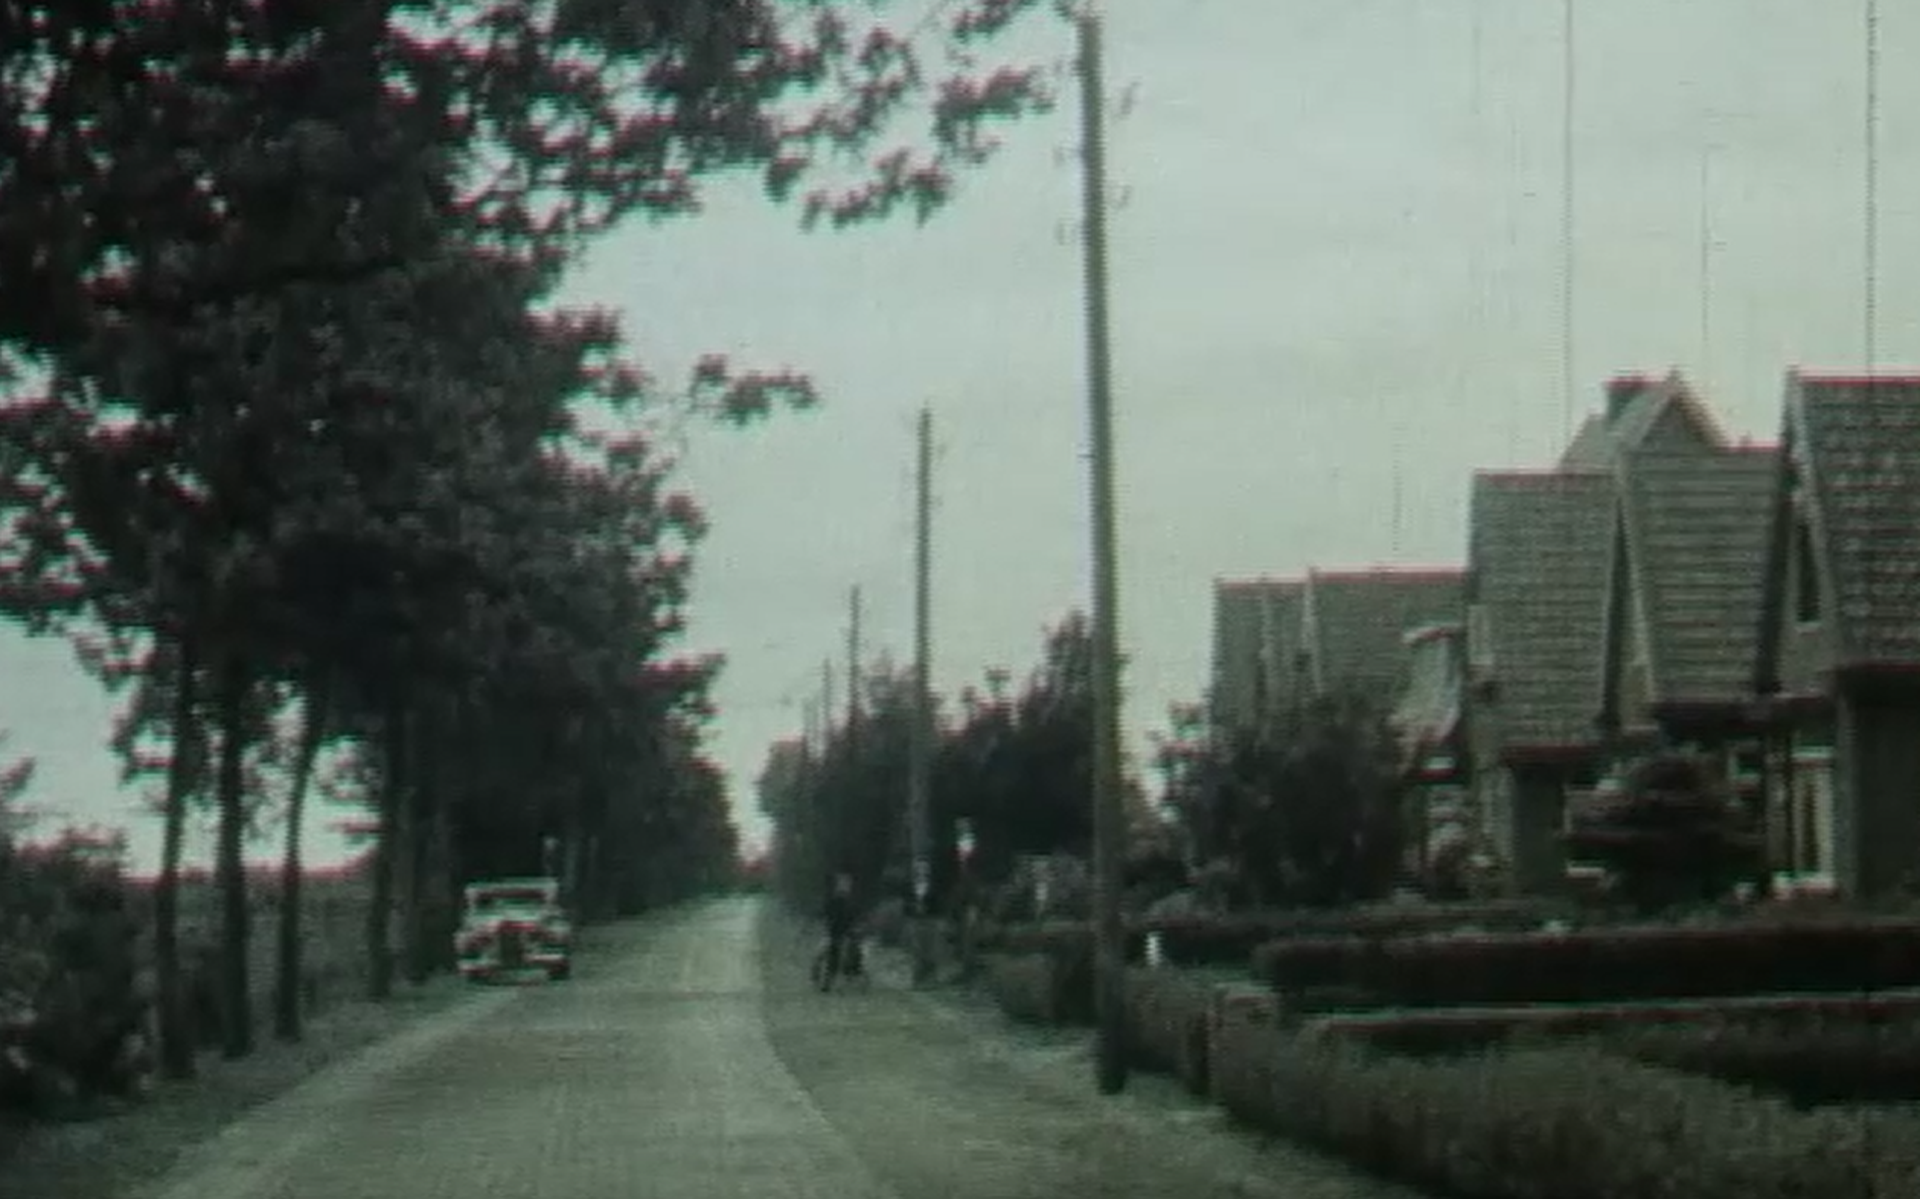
1811 1062
1426 1031
1167 1023
1041 988
1597 965
1569 1123
1231 939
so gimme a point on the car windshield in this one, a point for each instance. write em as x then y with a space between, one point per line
518 897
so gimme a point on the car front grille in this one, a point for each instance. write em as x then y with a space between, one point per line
512 946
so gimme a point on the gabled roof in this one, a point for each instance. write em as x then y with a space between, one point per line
1592 445
1696 536
1857 442
1637 406
1256 647
1539 557
1356 622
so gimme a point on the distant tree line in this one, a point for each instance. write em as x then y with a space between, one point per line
1012 769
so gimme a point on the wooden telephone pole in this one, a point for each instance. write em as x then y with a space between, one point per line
853 659
920 743
1109 830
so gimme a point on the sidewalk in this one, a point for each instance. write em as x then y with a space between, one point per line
943 1096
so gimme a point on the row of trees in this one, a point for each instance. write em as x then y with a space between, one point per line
1014 768
1308 814
299 449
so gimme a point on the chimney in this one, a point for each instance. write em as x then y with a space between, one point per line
1621 391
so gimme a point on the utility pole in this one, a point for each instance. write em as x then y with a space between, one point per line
920 742
1109 830
853 658
826 699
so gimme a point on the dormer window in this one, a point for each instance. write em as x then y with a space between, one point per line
1806 573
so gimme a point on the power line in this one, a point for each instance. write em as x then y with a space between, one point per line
1566 223
1872 221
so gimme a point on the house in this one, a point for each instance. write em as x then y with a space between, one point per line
1684 572
1642 413
1839 647
1354 624
1256 652
1536 588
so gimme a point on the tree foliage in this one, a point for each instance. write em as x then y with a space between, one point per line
294 424
1306 814
1016 767
1671 833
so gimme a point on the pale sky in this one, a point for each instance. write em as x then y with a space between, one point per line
1338 262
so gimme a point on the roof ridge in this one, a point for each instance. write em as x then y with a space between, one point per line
1388 575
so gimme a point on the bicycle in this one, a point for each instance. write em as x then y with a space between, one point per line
851 966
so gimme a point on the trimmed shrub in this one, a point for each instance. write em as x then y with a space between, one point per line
1024 986
1231 939
1431 1031
1044 988
1167 1023
1244 1039
1811 1061
1565 1123
1597 965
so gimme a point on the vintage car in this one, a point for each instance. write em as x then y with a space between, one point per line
511 926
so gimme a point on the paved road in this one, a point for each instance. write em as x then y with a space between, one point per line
687 1059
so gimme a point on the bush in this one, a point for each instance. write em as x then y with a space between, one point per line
1566 1123
1231 939
75 1019
1167 1023
1599 965
1455 1031
1042 988
1674 833
1812 1062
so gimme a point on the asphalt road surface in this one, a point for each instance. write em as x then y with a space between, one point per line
689 1059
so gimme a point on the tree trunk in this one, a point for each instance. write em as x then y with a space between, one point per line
236 1004
385 855
177 1037
418 840
286 996
444 893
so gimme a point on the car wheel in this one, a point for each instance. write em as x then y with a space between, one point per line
561 972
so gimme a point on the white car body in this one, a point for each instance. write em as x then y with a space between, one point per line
511 925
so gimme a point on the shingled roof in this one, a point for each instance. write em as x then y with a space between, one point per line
1696 534
1539 560
1859 446
1356 623
1642 413
1256 630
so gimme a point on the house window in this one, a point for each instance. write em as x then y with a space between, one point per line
1479 638
1806 575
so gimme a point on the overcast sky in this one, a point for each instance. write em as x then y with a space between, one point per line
1338 264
